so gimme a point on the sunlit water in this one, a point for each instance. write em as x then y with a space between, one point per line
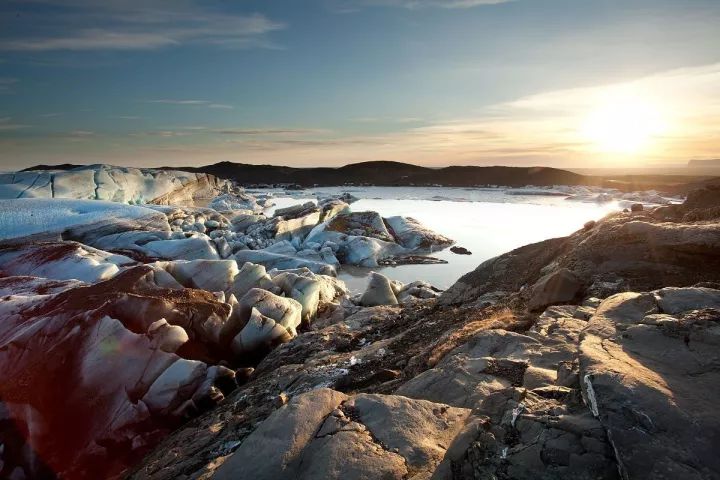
488 222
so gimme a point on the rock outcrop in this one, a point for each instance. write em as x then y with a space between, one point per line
105 386
115 184
552 361
625 251
648 369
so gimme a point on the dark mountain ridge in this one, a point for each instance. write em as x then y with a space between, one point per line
387 173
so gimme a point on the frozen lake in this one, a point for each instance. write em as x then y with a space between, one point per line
488 222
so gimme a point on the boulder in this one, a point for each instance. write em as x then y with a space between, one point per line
286 312
378 292
331 207
166 337
260 333
282 262
412 235
304 289
61 261
211 275
296 211
237 201
295 225
556 287
365 224
193 248
251 276
241 221
418 430
366 251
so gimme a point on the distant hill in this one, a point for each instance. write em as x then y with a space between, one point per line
62 166
713 162
391 174
384 173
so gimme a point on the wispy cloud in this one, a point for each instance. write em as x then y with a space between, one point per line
6 124
206 103
269 131
91 39
81 133
540 129
135 25
6 84
221 106
241 132
434 3
160 133
387 120
354 5
179 102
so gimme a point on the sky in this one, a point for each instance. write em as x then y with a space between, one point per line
564 83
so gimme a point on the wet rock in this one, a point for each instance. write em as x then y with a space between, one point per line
367 251
460 250
411 260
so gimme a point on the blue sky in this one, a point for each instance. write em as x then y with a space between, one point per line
327 82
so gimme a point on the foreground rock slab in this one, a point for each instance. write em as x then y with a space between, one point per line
649 370
327 434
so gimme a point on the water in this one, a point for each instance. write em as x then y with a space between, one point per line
488 222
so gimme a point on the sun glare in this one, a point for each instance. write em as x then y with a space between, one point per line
623 125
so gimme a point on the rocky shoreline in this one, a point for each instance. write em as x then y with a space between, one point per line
217 342
480 386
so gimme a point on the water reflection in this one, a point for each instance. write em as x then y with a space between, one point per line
486 222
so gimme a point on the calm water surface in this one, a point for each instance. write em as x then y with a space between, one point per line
488 222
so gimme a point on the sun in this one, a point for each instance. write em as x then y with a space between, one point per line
623 125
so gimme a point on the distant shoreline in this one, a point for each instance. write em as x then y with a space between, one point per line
393 174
